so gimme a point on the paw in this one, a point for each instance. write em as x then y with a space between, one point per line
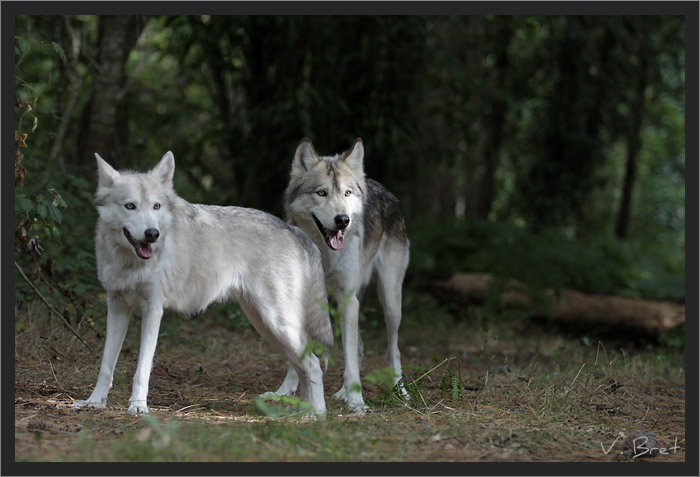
403 393
272 395
358 407
353 401
340 394
279 392
137 407
314 414
83 403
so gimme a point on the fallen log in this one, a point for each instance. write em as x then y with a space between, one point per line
572 305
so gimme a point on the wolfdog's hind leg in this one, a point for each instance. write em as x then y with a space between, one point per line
307 371
312 383
301 375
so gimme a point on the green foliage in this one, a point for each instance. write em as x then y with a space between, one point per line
547 260
55 244
383 380
391 394
674 338
315 347
151 440
283 406
163 434
53 239
451 382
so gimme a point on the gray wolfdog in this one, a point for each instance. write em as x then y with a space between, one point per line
154 250
359 228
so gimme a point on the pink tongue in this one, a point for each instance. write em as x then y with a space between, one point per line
337 241
144 250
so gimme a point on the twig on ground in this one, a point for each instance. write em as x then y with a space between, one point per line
55 378
190 406
53 310
571 386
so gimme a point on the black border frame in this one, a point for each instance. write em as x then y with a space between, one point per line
689 9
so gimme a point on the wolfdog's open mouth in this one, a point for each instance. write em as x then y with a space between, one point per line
142 249
334 238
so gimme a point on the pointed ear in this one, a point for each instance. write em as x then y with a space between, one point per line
106 174
165 169
305 157
354 157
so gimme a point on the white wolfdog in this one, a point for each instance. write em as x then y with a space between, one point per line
155 250
359 228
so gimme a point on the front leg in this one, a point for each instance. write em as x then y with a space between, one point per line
350 333
152 312
118 314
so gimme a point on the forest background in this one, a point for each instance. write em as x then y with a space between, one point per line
548 149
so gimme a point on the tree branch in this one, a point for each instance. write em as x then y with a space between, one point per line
53 310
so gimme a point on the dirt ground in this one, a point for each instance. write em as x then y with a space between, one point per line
207 371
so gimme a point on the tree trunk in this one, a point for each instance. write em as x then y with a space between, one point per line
600 93
117 36
573 305
495 121
476 162
625 210
634 142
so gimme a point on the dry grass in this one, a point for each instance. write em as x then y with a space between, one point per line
529 395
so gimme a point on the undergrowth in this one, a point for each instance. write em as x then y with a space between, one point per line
485 390
549 259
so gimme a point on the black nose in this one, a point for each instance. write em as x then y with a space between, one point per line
342 221
151 235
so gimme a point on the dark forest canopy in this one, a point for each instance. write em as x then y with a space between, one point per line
490 129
